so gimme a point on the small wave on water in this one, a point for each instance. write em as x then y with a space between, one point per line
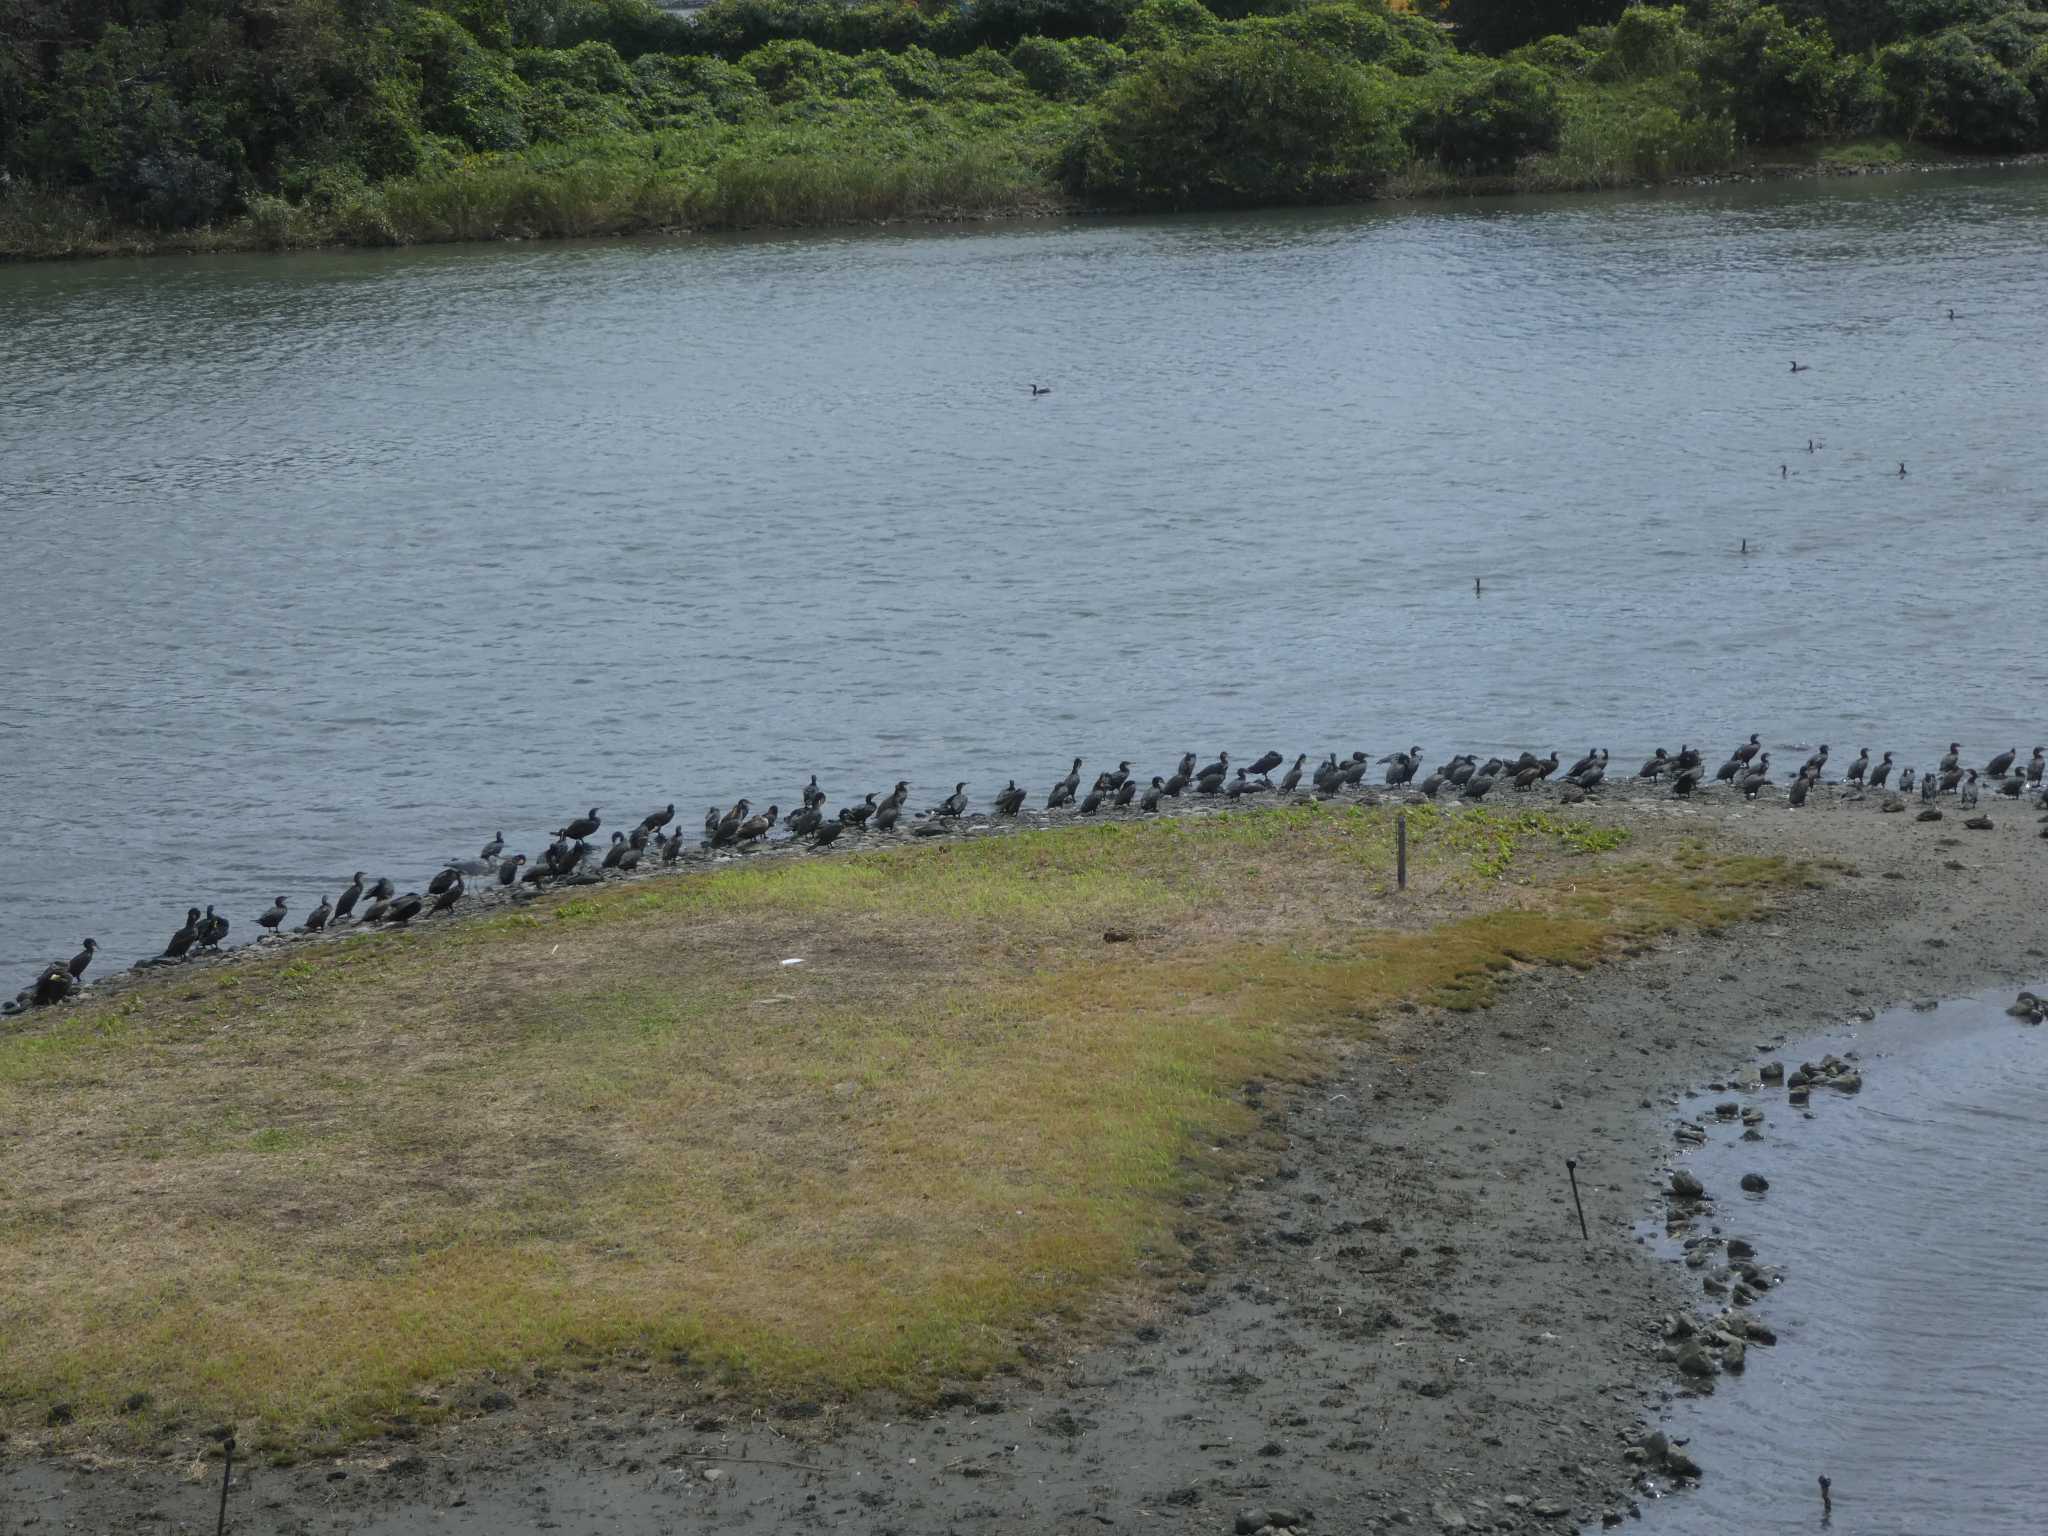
1912 1321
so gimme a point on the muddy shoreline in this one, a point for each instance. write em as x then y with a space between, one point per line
1396 1326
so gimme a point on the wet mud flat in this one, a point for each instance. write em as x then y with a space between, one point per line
1394 1325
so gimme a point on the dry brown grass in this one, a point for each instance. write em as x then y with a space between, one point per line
292 1191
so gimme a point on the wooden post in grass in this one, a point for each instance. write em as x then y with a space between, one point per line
227 1471
1401 849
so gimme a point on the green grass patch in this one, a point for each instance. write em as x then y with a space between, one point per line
296 1195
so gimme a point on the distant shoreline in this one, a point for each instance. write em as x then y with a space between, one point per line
1419 185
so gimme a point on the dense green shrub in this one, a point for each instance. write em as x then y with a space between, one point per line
1364 32
1780 83
464 90
1951 88
1645 40
1161 24
1074 70
1003 24
629 27
1496 26
1491 121
674 90
1565 57
1236 121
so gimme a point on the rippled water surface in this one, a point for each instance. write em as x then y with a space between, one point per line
337 561
1911 1361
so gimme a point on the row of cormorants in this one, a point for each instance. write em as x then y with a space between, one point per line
571 858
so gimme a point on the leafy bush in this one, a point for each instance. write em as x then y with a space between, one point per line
1780 83
1239 121
1496 26
1364 32
1490 122
463 89
1161 24
629 27
674 90
1563 56
1645 40
1949 87
1075 70
1003 24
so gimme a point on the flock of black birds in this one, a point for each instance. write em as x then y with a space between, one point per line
572 859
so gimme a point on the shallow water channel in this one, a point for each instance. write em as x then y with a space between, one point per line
338 561
1912 1323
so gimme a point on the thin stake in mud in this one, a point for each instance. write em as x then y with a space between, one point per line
1571 1171
1401 850
227 1471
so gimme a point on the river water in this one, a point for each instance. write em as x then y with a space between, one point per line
320 562
1910 1360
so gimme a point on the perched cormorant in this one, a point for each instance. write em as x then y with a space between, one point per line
654 821
856 816
1882 772
509 870
1954 758
830 831
1266 764
612 855
1151 800
451 874
1800 786
1063 792
212 929
1749 748
886 814
1656 766
1217 769
754 828
1967 794
581 827
445 900
272 915
803 822
1858 768
2001 765
1126 791
1906 782
1010 800
405 908
345 903
493 848
1817 764
955 804
83 958
374 912
1121 777
1688 781
1292 779
812 794
1092 801
383 890
2036 764
729 824
317 918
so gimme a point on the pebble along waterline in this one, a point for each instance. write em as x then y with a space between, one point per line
1906 1224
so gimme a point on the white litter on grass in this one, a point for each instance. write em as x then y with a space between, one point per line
798 960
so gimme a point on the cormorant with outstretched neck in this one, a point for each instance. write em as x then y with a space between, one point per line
271 915
83 958
1881 772
1010 800
581 827
346 902
955 804
317 918
1592 756
1063 791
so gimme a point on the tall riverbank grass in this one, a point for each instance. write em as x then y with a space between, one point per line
323 1190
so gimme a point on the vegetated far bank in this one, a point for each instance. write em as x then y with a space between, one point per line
324 1190
140 125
